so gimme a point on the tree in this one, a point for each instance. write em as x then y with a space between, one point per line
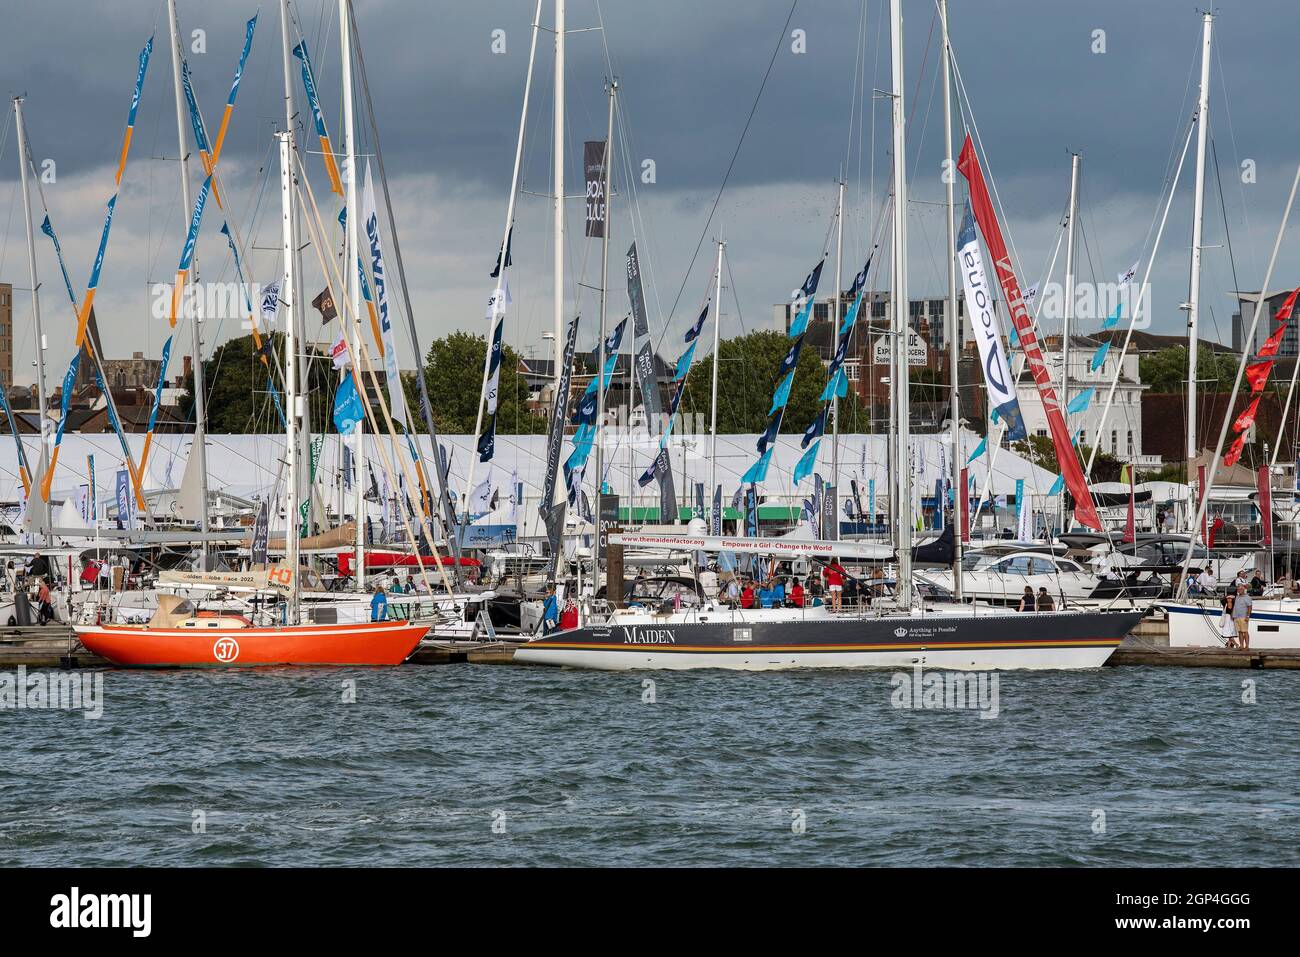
1166 371
1041 451
453 375
235 389
747 377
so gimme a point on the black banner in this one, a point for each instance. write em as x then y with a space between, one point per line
651 399
261 532
552 511
593 163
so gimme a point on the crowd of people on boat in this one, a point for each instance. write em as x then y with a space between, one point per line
1042 601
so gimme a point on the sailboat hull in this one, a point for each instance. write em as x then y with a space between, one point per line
371 643
956 642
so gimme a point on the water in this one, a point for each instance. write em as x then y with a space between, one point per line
578 770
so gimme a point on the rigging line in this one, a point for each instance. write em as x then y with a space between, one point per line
776 50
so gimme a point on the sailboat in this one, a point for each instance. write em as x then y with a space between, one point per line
951 636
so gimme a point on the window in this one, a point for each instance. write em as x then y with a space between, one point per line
1041 433
1041 566
1131 448
1114 440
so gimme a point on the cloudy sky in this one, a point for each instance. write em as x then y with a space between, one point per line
1042 81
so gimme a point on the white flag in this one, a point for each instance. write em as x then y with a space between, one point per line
480 500
370 220
1024 525
339 352
1126 277
270 304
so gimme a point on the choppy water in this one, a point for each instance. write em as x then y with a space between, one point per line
577 769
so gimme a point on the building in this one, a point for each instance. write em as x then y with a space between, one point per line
6 335
136 372
927 314
1146 344
1122 434
1246 302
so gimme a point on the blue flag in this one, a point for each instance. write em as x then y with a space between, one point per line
1081 401
979 450
807 462
347 406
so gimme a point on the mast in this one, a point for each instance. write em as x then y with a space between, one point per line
558 135
43 510
1194 289
612 88
713 402
199 446
954 321
350 247
1068 314
899 377
835 336
294 407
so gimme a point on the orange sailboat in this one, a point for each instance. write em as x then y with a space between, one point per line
179 636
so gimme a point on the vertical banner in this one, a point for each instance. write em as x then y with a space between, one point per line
651 399
1266 504
1201 497
392 375
593 162
552 512
937 522
1066 454
1130 522
715 517
751 512
830 521
94 494
124 517
963 507
261 534
871 501
1021 516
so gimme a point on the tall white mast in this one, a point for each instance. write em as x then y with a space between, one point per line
835 338
199 447
713 403
954 321
1194 290
558 136
350 247
42 507
289 294
1068 313
606 227
902 506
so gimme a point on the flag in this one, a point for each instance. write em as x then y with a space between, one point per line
1273 342
496 270
324 304
318 117
758 471
806 463
1234 451
1247 417
1257 375
1127 275
979 450
1111 321
684 363
347 406
339 352
1284 313
1099 356
802 304
816 430
694 331
1081 401
782 394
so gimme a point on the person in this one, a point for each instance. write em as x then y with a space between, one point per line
1045 602
45 602
39 566
550 610
1241 607
747 595
11 578
1169 523
1257 584
796 594
379 604
733 592
1206 581
1227 629
1027 600
835 584
778 593
813 591
1240 580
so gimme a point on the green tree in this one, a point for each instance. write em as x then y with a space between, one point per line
1041 451
1166 370
747 377
235 388
453 375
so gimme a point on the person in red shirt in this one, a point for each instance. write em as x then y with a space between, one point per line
747 596
796 594
834 575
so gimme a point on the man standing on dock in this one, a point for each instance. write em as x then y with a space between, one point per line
1241 606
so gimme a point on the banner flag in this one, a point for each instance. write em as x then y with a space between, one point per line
802 303
1072 471
552 512
648 381
987 330
593 164
348 412
309 84
392 374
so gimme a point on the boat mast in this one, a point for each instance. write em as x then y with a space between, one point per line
43 510
351 246
612 89
954 321
1194 290
558 199
713 402
200 402
288 294
1068 313
835 338
899 376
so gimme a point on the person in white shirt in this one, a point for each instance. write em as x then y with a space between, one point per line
1206 582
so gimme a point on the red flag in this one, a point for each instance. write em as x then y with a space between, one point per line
1265 487
1234 452
1066 454
1257 375
1214 530
1284 313
1273 342
90 574
1130 524
1247 417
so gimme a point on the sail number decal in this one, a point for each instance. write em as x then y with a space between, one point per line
225 650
